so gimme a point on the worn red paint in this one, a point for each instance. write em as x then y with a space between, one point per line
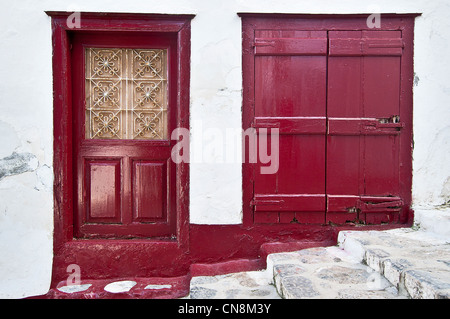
170 288
340 94
364 91
206 244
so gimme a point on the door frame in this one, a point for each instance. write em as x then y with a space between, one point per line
84 253
328 22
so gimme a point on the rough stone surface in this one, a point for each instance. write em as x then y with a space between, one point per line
295 287
202 293
326 272
241 285
415 262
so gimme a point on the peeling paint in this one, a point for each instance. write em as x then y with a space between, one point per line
17 163
416 79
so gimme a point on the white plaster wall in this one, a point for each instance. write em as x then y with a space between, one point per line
26 216
26 221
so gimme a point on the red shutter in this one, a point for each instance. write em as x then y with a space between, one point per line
364 126
341 96
290 94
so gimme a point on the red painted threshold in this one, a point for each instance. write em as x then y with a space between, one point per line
177 287
144 288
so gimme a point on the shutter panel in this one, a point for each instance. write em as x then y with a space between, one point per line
363 126
290 94
290 46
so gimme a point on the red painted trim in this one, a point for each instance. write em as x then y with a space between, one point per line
114 258
62 131
406 104
248 114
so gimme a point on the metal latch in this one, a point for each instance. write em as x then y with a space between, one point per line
381 204
382 124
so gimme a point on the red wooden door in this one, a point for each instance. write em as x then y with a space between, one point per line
124 110
290 94
364 126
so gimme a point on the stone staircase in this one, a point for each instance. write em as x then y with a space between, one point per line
391 264
399 263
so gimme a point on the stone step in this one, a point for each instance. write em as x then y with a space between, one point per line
417 263
329 273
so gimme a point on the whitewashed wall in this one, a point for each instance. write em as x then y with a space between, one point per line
26 199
